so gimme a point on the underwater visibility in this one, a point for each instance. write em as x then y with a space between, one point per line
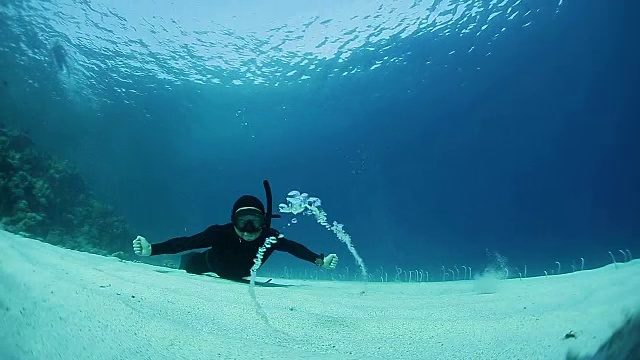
409 179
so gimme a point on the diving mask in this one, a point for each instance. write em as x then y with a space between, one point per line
249 220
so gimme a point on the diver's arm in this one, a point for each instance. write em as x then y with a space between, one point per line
298 250
200 240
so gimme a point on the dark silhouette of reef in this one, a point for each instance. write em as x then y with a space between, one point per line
45 198
623 344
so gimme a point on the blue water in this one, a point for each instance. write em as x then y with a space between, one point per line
437 132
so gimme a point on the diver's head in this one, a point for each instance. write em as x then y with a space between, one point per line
248 217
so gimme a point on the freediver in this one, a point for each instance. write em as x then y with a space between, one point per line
60 58
233 246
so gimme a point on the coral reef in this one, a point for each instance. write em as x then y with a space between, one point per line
45 198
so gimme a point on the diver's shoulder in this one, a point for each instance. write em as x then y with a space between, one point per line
273 232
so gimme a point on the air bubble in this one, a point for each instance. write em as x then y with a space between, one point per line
314 201
310 205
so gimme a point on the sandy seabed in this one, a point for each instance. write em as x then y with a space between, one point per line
63 304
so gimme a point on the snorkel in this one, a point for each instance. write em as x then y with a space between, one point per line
269 215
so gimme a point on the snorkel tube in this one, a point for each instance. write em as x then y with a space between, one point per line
269 215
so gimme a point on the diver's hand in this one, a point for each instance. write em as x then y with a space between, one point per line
141 246
330 261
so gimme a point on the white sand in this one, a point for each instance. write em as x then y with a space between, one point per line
62 304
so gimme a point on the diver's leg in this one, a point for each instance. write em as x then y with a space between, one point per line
194 263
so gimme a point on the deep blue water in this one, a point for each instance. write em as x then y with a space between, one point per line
434 131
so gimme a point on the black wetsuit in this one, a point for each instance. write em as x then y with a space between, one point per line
229 256
60 58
